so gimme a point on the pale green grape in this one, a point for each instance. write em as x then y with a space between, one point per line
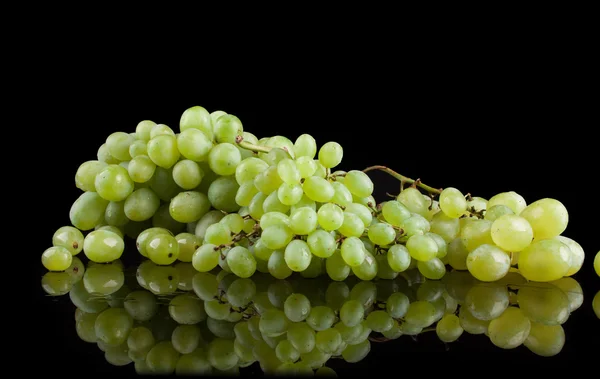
216 309
162 249
256 205
211 217
162 358
361 211
471 324
187 174
303 221
305 146
162 150
414 201
509 330
577 254
141 205
277 266
321 243
511 199
118 145
441 243
188 244
288 172
318 189
397 305
330 216
234 221
511 233
272 204
545 340
433 269
457 254
497 211
141 169
448 329
444 226
286 352
352 313
548 218
221 194
189 206
420 314
297 255
88 211
227 128
368 269
486 301
306 166
249 137
296 307
57 283
268 180
143 129
380 321
358 352
187 309
353 251
113 326
70 238
320 318
321 171
103 246
141 305
147 234
289 194
415 224
488 263
395 212
224 158
162 218
241 292
544 303
103 279
197 117
476 233
478 204
331 154
329 340
274 218
398 258
103 155
452 202
336 267
422 247
382 234
277 236
85 176
545 260
273 322
161 129
246 192
241 262
113 183
304 202
342 195
194 145
248 169
352 225
358 183
138 147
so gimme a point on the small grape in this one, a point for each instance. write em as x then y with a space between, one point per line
452 202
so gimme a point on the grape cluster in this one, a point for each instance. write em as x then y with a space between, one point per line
214 195
173 319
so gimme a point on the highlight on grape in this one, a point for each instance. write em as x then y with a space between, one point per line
215 197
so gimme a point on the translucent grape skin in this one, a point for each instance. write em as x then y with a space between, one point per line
452 202
241 262
548 218
70 238
103 246
88 211
331 154
85 176
512 233
113 183
488 263
56 258
358 183
545 261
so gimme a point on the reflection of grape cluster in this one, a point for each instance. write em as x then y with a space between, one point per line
167 319
216 195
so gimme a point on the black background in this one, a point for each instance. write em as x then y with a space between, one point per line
480 120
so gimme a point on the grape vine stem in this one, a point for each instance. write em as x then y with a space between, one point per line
256 148
404 180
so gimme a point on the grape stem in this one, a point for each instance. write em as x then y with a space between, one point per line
235 239
403 179
256 148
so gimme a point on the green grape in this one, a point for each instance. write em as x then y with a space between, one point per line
245 193
486 302
296 307
256 205
352 225
597 263
75 270
277 266
320 318
162 249
420 314
342 195
268 180
85 328
103 246
162 150
509 330
382 234
187 309
321 243
114 215
433 269
545 261
497 211
288 172
141 169
146 235
241 262
330 216
141 205
57 283
187 174
161 129
397 305
118 145
573 291
446 227
548 218
577 254
188 244
544 303
85 176
162 358
353 251
356 353
248 137
248 169
398 258
79 296
211 217
197 117
303 221
88 211
273 322
274 218
414 225
321 171
352 313
143 129
103 279
362 212
227 128
452 202
141 305
277 236
318 189
234 221
194 145
125 165
289 194
224 158
243 334
70 238
221 194
217 310
305 146
297 255
141 339
358 183
422 247
241 292
488 263
368 269
104 155
189 206
272 204
457 254
336 267
471 324
113 183
138 147
545 340
113 229
306 166
304 202
511 233
414 201
478 204
379 321
476 233
286 352
112 326
448 329
441 243
331 154
394 212
328 340
511 199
